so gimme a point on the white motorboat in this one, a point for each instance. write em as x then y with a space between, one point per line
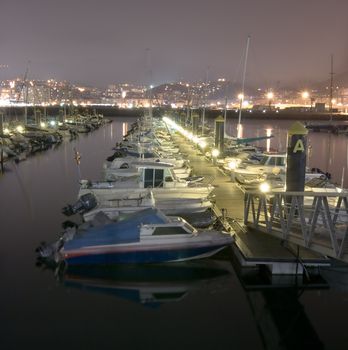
125 166
269 163
155 175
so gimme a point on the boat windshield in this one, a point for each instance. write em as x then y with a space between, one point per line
169 230
189 228
269 160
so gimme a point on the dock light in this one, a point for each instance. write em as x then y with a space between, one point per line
202 144
232 165
60 123
215 152
66 121
20 128
6 131
43 125
195 139
52 123
265 187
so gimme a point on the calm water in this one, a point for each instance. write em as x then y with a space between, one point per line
328 152
201 305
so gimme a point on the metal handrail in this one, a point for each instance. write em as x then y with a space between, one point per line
306 218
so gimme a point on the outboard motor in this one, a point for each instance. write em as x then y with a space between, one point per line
85 203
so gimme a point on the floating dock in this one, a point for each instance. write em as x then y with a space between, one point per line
252 248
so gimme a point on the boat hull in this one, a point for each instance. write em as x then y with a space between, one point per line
136 256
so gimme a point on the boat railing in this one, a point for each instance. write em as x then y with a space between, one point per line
314 220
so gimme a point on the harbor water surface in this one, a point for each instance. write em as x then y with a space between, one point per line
197 305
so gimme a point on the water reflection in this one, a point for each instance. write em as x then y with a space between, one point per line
329 151
268 141
275 302
150 285
124 129
282 320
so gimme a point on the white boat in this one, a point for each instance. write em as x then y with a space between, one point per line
269 163
193 209
117 208
126 166
155 175
139 153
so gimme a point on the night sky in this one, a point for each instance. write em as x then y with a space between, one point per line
105 41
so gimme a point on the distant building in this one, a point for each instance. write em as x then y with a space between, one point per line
319 107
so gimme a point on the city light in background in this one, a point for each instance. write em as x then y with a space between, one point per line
45 93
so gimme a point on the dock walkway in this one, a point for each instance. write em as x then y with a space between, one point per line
252 247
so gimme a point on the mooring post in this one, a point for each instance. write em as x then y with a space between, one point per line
1 122
182 120
219 133
296 157
195 118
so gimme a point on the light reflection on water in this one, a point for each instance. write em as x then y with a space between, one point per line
201 307
37 309
329 152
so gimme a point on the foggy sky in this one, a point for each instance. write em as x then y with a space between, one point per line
104 41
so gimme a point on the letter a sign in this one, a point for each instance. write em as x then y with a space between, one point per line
298 146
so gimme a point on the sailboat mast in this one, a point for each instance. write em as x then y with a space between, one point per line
204 99
26 90
243 86
331 85
225 110
150 82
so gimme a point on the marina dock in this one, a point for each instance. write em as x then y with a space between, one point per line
252 247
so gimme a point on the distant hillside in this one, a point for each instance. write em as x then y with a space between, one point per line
339 79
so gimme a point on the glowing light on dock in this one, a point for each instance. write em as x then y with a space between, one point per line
20 128
265 187
185 133
233 164
202 144
215 152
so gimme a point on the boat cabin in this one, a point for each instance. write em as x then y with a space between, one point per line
273 160
157 175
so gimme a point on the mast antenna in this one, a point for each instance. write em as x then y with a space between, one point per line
331 86
243 85
148 57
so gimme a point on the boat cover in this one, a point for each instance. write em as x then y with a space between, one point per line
125 231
